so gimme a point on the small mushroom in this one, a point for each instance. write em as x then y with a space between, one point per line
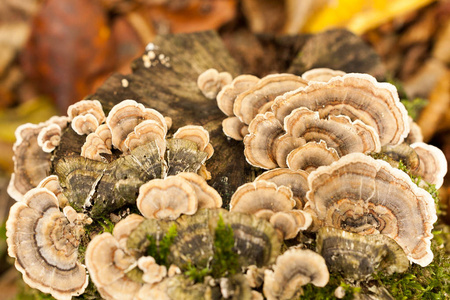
338 132
167 198
31 163
234 128
123 229
125 116
297 181
45 245
358 96
259 143
85 116
358 256
321 74
248 104
207 196
94 147
432 163
51 183
153 272
311 156
197 134
363 195
294 269
211 82
289 223
228 94
104 133
49 137
145 132
262 198
108 265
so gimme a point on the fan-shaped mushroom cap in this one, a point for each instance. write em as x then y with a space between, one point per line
51 183
261 196
358 96
284 145
259 143
207 196
228 94
294 269
123 229
104 133
167 198
289 223
31 164
211 82
358 256
93 147
339 132
321 74
49 137
311 156
432 163
85 116
144 132
234 128
124 116
108 264
153 272
247 104
45 245
297 181
363 195
194 133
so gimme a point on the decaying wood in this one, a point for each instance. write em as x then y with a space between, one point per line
171 88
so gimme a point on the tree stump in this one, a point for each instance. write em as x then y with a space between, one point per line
169 84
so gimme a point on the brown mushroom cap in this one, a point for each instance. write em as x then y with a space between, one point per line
284 145
260 197
85 116
234 128
247 104
228 94
207 196
358 96
294 269
321 74
167 198
123 118
108 263
211 82
360 194
51 183
45 245
145 132
339 132
432 163
311 156
263 131
297 181
104 133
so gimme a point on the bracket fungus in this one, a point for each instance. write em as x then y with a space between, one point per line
145 132
321 74
45 244
360 194
211 82
358 96
297 181
289 223
228 94
85 116
311 156
31 163
262 198
432 163
358 256
294 269
51 183
49 137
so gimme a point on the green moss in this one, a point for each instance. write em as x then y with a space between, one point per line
414 107
3 232
160 251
